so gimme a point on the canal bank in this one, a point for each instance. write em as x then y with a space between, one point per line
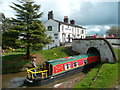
12 63
105 76
15 63
19 77
16 80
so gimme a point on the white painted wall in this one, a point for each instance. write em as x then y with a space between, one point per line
54 25
65 31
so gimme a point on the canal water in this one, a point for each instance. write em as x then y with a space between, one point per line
16 80
13 80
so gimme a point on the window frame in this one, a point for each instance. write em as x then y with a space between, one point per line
50 28
82 31
66 66
76 64
85 62
62 28
56 36
77 31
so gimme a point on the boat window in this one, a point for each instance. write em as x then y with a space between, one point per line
85 61
67 66
75 64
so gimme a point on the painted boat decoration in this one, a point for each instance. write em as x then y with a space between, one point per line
60 68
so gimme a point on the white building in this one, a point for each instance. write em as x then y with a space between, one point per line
62 32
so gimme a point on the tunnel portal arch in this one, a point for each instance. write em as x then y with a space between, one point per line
99 45
93 50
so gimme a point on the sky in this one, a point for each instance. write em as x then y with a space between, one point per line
96 16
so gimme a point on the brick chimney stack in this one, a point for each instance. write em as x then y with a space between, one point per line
72 22
66 19
50 15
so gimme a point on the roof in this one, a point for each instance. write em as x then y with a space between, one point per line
68 24
68 59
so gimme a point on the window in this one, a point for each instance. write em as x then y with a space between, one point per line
82 31
62 28
85 61
66 28
69 36
67 66
56 36
80 36
72 30
50 28
77 30
75 64
72 35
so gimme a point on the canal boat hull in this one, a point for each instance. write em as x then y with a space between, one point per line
52 78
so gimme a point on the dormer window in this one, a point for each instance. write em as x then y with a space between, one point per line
49 28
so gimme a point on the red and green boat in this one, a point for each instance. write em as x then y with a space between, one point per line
60 68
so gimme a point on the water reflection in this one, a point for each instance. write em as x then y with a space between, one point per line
13 80
17 81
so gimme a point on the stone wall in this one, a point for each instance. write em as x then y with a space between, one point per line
114 40
103 46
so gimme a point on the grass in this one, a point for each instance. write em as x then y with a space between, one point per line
55 53
102 76
14 61
107 76
15 52
85 83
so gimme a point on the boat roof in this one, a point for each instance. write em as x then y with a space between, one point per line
68 59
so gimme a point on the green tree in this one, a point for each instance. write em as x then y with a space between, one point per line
30 29
5 22
115 30
8 37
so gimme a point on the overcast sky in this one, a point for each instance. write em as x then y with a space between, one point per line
97 17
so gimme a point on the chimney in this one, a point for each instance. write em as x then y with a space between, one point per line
72 22
50 15
66 19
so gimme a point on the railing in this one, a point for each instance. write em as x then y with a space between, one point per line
31 73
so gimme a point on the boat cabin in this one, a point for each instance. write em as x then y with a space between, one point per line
58 66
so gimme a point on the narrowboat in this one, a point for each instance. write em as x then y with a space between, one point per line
60 68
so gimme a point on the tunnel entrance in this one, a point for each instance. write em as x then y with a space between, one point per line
93 50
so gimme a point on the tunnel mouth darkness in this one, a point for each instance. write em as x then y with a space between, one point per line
93 50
